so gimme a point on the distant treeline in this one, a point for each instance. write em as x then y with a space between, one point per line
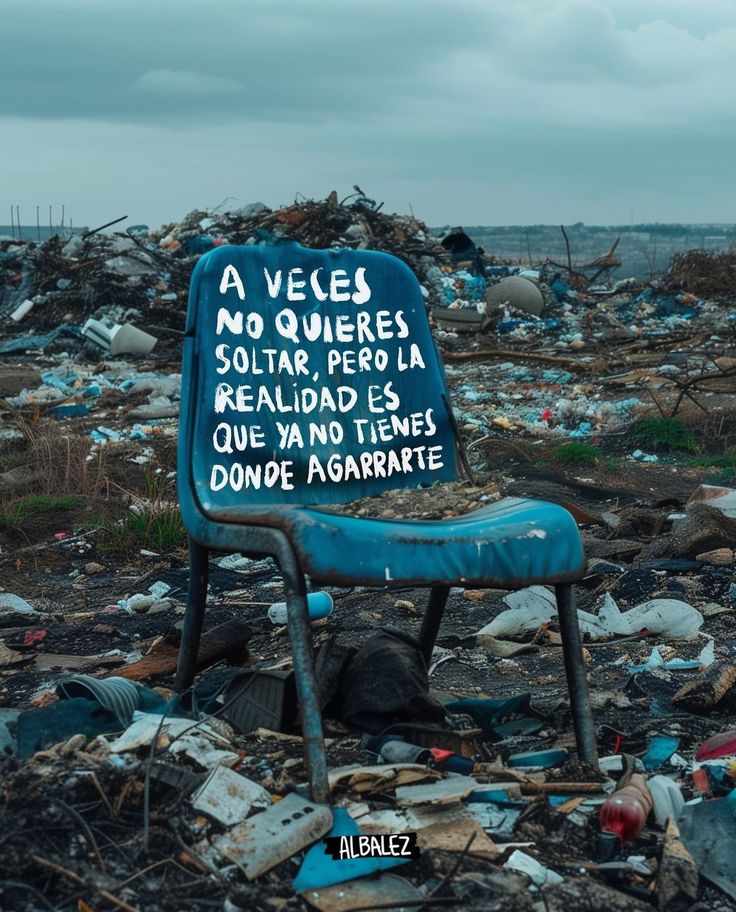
659 228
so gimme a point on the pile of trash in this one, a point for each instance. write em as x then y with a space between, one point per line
118 790
139 279
459 775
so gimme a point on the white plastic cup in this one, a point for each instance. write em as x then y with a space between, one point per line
319 605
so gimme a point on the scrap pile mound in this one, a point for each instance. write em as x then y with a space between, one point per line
356 223
143 276
703 273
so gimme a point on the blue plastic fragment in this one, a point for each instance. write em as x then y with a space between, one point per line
196 245
559 288
68 411
659 751
495 796
655 660
500 717
583 429
39 341
103 434
545 759
489 711
557 800
731 799
719 778
320 870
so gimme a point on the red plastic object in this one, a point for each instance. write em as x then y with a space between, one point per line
701 783
441 755
723 745
32 637
626 811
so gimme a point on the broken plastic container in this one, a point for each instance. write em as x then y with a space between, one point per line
120 338
667 798
626 811
319 605
399 751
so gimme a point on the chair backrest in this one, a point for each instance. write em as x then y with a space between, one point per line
309 377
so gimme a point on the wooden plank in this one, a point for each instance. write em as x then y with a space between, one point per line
226 641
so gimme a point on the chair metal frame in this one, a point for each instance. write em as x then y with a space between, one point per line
265 532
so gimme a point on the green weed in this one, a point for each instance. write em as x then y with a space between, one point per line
154 530
576 453
154 524
663 434
725 461
15 513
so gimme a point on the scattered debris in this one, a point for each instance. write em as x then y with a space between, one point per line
613 399
271 837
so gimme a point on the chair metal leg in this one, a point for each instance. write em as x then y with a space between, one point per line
306 684
194 616
577 682
432 620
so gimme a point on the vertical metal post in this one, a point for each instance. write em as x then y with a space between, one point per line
306 684
432 620
577 682
194 616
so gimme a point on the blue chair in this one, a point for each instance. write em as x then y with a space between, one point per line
310 377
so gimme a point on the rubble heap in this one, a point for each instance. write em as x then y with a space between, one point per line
142 274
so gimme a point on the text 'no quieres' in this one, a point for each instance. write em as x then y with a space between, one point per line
338 288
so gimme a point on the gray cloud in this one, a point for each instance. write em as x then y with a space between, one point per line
475 111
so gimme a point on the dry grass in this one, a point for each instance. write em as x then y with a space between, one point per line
59 477
52 472
55 462
63 462
703 272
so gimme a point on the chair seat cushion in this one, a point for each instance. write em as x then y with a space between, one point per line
509 544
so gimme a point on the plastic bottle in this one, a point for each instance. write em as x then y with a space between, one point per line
400 751
319 605
625 812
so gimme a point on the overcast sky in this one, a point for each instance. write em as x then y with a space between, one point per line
471 111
